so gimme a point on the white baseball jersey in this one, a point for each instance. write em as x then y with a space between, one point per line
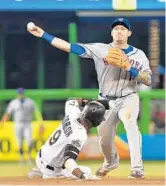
115 81
69 132
23 111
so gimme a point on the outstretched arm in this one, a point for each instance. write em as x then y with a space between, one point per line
55 41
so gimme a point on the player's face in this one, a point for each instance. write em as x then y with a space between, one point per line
120 34
21 96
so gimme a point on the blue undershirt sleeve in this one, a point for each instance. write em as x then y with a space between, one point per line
77 49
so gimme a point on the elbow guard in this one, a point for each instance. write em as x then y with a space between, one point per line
71 152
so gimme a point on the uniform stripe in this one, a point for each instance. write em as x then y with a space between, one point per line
103 76
140 146
126 76
117 83
123 83
103 73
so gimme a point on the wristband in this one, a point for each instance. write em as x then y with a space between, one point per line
48 37
134 72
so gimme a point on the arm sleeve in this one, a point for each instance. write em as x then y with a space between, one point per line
90 50
72 108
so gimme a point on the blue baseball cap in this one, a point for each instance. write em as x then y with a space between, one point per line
20 90
121 21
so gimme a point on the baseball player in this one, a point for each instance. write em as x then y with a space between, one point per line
120 67
23 110
57 157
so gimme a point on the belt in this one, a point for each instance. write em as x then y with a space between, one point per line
47 166
113 97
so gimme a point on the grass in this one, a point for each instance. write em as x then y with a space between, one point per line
152 168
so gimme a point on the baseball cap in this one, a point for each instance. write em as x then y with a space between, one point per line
121 21
20 90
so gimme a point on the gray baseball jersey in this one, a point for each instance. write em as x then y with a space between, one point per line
23 111
115 81
69 132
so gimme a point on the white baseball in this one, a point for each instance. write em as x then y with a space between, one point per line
30 25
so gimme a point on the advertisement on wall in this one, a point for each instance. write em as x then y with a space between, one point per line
91 150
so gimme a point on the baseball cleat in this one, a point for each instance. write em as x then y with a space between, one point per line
34 173
102 172
136 175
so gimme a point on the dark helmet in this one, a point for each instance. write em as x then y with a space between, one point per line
94 112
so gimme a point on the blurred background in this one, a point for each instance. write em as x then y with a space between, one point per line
50 76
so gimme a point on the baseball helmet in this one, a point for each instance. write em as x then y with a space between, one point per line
94 112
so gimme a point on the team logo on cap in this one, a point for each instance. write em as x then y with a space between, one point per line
120 19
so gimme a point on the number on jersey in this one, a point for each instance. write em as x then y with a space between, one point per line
55 137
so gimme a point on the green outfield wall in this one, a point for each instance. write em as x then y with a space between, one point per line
62 94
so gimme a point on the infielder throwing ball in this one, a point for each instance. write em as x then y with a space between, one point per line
57 157
120 67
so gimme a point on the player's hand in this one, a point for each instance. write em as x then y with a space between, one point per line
36 31
91 177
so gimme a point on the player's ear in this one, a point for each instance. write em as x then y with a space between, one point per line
129 33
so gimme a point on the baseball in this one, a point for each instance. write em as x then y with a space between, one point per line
30 25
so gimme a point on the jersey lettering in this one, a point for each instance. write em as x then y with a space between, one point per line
109 80
66 126
136 64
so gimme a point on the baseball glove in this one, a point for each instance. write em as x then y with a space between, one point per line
117 58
